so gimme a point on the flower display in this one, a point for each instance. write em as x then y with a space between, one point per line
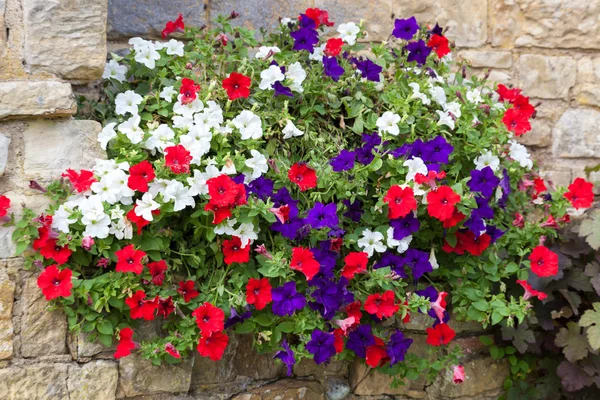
304 193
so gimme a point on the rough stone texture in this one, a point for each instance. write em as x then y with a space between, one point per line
545 23
138 377
51 147
285 389
96 379
576 134
35 99
547 113
4 143
547 77
43 332
86 349
41 381
587 90
66 38
7 294
484 58
2 25
466 31
377 12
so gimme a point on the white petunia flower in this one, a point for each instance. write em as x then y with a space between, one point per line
371 242
318 53
121 228
445 119
388 122
187 110
145 206
474 96
229 168
417 93
174 48
258 164
197 142
198 181
290 130
114 70
401 245
214 114
128 102
107 134
105 167
269 76
226 227
63 217
147 56
263 51
249 125
102 188
454 108
167 93
438 95
415 166
285 21
348 32
487 159
246 233
296 74
180 194
160 138
131 128
519 153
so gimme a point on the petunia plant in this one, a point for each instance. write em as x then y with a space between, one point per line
304 188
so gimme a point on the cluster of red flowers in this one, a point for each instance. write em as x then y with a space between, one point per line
81 181
237 86
211 322
441 204
188 90
47 244
516 118
439 44
468 242
178 159
354 263
400 201
303 176
303 260
225 195
580 193
319 16
173 26
4 206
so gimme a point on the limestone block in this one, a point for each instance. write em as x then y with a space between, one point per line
4 143
36 99
94 380
547 113
285 389
66 38
7 294
546 77
576 134
488 59
587 90
39 381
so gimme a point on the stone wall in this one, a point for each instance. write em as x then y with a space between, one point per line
550 48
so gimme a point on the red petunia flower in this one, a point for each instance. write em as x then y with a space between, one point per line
52 251
4 205
430 178
237 85
188 90
81 181
140 307
222 190
178 158
282 213
400 201
220 214
441 202
580 193
303 176
507 94
126 343
531 292
213 345
354 263
439 306
333 47
139 221
319 16
165 307
157 270
439 44
43 235
353 310
129 260
346 324
338 343
539 186
140 175
376 354
234 252
55 283
454 219
169 348
186 289
209 318
472 244
544 262
522 106
441 334
173 26
258 292
303 260
383 306
516 122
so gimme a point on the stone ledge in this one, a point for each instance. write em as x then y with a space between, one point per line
19 99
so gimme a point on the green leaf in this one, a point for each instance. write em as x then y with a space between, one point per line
105 327
286 327
591 320
245 327
487 340
575 346
263 320
106 340
590 229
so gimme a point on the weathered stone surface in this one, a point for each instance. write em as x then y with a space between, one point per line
285 389
66 38
94 380
485 378
44 98
7 294
545 23
547 113
4 143
576 134
138 377
546 77
377 15
147 18
562 177
307 367
485 58
2 26
43 332
53 146
247 362
587 90
7 247
41 381
85 348
466 31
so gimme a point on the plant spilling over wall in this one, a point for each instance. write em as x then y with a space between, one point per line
302 191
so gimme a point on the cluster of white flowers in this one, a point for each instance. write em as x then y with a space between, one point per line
348 32
247 232
519 153
371 242
294 76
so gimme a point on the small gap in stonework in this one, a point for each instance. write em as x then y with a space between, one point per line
7 33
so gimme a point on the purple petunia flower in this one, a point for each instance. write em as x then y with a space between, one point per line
368 69
405 28
307 22
329 296
326 258
343 161
291 229
505 186
332 68
286 300
321 346
397 347
494 233
354 211
364 154
323 216
281 90
394 261
483 181
359 339
438 150
418 51
371 140
286 356
261 187
437 30
235 318
305 39
418 261
406 226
